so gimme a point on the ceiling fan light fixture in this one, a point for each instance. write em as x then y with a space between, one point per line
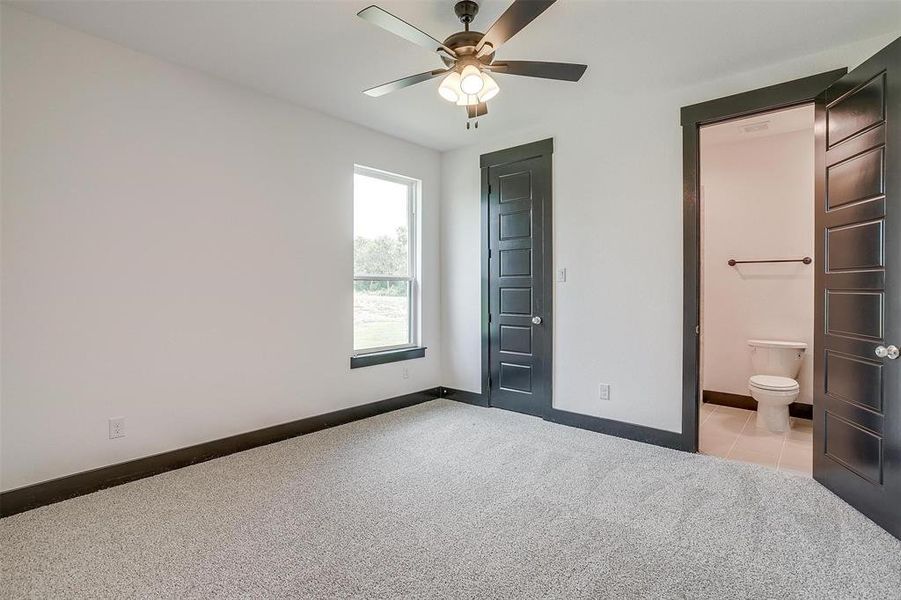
467 100
450 87
490 88
471 81
469 54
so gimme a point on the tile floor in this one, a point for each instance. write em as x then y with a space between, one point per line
732 433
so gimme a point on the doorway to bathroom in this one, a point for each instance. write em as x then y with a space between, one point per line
857 277
757 289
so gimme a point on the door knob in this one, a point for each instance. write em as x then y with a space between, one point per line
537 321
891 352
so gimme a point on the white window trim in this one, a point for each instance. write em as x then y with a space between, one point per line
414 187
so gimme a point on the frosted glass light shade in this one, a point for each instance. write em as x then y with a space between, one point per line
490 88
450 87
467 100
471 80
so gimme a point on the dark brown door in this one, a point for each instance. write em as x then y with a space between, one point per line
519 302
857 403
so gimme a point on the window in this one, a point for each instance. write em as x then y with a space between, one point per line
385 287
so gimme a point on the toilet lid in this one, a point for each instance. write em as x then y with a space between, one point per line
773 382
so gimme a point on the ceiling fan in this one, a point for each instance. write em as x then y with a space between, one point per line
469 55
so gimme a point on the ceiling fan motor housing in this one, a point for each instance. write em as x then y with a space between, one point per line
464 43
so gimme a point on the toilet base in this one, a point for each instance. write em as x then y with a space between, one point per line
773 417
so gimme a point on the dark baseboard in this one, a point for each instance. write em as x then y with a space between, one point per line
638 433
798 410
630 431
474 398
727 399
63 488
70 486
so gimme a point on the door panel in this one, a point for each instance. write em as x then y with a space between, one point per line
519 350
857 395
516 225
855 247
516 339
852 446
516 262
513 186
854 380
515 301
853 313
855 179
515 378
855 111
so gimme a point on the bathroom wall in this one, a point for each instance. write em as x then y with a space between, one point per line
757 201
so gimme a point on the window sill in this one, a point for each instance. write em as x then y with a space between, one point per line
389 356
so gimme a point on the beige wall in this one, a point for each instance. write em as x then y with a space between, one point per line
758 203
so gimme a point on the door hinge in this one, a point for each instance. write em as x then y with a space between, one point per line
489 253
489 317
489 381
489 189
697 330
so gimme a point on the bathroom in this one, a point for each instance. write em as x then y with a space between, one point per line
757 289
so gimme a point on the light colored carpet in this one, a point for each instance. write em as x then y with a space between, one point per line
453 501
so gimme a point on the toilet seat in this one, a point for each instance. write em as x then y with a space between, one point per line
774 383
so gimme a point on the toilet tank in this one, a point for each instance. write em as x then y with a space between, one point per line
776 357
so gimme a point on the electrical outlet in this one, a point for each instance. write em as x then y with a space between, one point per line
561 275
604 391
116 427
405 373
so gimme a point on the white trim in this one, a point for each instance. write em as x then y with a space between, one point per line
414 187
382 278
366 351
385 175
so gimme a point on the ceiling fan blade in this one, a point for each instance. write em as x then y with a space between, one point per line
477 110
515 18
397 26
544 70
399 84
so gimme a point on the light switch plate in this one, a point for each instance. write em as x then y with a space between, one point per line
561 275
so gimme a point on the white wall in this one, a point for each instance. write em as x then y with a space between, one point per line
617 230
758 203
176 250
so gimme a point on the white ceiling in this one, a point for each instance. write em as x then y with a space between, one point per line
320 55
758 126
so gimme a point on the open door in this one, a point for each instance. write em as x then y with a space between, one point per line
857 376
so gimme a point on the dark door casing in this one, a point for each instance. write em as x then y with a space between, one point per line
857 394
753 102
519 279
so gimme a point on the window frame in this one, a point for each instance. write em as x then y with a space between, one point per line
412 278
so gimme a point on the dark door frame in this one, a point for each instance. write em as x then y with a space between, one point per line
622 429
494 159
774 97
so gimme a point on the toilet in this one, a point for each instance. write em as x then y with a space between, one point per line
773 385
